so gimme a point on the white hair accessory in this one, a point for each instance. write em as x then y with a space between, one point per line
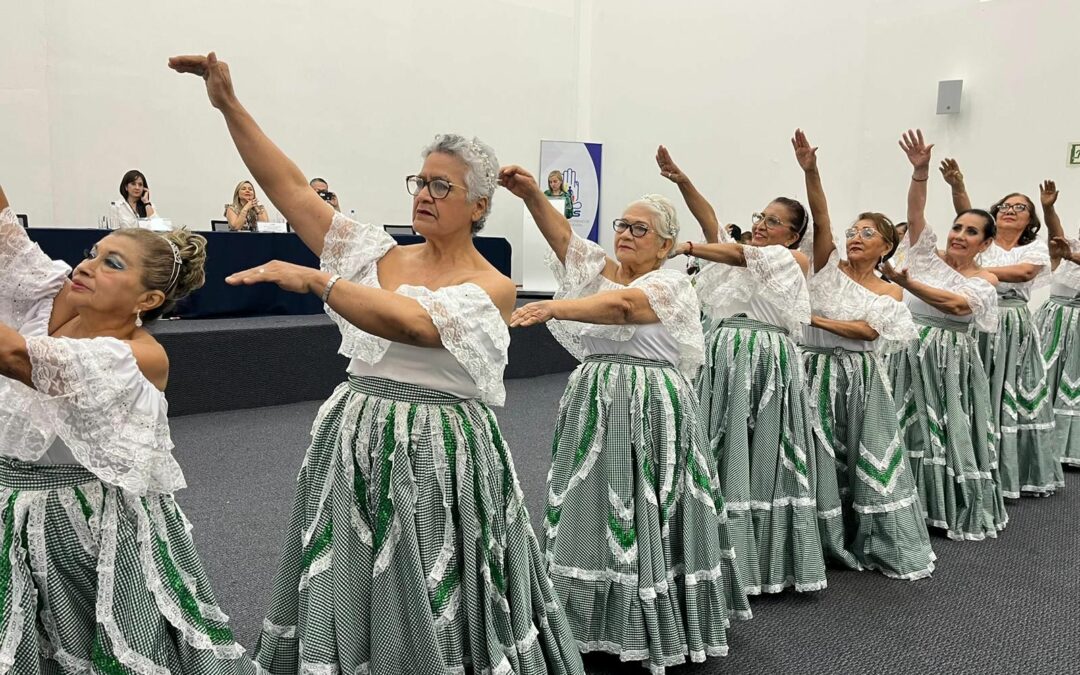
491 171
668 227
177 262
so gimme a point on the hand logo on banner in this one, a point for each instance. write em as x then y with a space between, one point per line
574 187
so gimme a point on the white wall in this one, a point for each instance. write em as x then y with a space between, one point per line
353 90
723 85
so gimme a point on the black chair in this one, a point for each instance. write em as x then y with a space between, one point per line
219 225
23 219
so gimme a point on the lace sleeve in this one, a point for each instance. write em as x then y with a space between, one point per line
93 396
472 330
983 300
353 250
29 281
1038 253
780 281
674 301
578 276
891 319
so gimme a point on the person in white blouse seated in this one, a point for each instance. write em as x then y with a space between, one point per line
941 390
856 316
635 326
135 204
245 211
100 565
1013 354
409 549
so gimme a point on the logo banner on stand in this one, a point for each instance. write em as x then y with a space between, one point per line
570 174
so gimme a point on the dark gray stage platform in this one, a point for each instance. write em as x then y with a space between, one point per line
229 364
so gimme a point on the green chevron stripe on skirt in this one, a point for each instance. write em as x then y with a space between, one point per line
636 526
96 580
756 415
943 403
1058 324
1022 404
409 548
854 420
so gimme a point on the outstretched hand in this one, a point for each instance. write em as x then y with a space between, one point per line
805 154
668 168
1048 193
916 149
219 85
898 277
532 314
518 181
288 277
1060 249
950 171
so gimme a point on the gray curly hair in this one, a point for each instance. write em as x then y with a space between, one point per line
481 167
667 220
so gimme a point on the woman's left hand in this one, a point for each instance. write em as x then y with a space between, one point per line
898 277
289 277
146 197
532 314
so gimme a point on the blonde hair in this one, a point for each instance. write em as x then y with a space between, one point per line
173 262
555 173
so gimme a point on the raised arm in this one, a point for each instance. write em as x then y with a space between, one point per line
1048 195
700 207
552 223
950 171
285 185
806 156
918 153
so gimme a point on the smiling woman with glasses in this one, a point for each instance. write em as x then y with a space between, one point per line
630 437
409 548
756 302
872 516
1013 355
940 388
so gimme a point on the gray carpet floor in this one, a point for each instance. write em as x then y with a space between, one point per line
1010 605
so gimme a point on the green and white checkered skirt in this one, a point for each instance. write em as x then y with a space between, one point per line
1022 404
94 579
755 412
409 548
943 403
636 526
1058 323
854 419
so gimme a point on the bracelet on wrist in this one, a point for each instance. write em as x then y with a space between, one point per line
689 249
920 180
329 286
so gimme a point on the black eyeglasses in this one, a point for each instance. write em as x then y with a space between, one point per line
1015 208
438 188
637 230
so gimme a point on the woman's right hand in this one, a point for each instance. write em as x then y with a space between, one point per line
916 149
219 85
805 154
518 181
1048 193
668 168
950 171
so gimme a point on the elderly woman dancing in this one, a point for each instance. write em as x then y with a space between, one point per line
939 384
751 390
98 571
856 316
409 548
1013 354
630 464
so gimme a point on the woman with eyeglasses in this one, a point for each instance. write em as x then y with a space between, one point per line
1013 355
98 571
636 525
941 390
751 389
856 316
409 549
1058 323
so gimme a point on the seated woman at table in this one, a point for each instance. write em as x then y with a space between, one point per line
245 209
136 200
